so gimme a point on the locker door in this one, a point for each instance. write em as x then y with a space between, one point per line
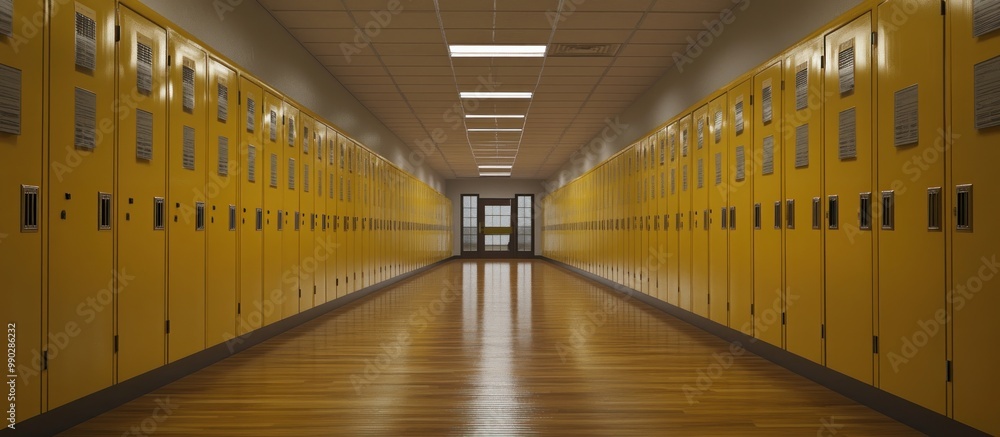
321 250
685 217
367 254
649 254
642 251
741 116
79 168
717 179
333 236
142 176
186 199
223 215
21 229
848 176
291 141
768 208
910 288
275 229
351 220
673 221
252 174
699 213
343 219
663 251
305 267
803 172
974 292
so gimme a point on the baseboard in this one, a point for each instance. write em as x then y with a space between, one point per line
67 416
920 418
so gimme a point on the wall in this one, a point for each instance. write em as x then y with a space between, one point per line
760 32
493 188
248 35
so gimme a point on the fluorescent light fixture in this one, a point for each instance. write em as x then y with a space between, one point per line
497 174
492 116
495 167
497 51
495 95
494 130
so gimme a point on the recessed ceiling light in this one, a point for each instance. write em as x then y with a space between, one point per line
490 129
494 95
495 167
495 174
492 116
497 51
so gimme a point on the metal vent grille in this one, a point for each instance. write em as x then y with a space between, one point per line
595 50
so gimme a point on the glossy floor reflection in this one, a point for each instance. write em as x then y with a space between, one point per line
494 348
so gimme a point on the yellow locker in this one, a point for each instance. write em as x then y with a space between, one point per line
252 179
21 224
910 102
221 190
367 252
81 205
322 250
650 259
332 211
803 173
631 227
186 199
769 207
673 220
717 181
642 248
663 252
700 214
342 220
351 261
141 187
848 171
973 288
291 141
741 116
685 216
305 267
275 214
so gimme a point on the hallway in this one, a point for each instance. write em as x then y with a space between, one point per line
493 348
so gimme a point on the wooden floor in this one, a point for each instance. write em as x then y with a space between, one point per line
494 348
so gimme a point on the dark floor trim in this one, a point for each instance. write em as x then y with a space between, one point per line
67 416
922 419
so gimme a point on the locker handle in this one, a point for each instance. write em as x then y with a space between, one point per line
29 208
833 212
790 214
777 215
817 210
260 219
757 216
725 218
888 210
159 213
199 216
732 217
963 207
934 200
865 211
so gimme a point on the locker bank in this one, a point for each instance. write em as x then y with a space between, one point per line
499 217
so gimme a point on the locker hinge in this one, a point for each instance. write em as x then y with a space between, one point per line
874 344
944 7
166 326
948 370
822 62
116 344
283 120
45 360
784 319
169 61
118 33
782 85
239 308
751 100
300 292
874 38
239 96
314 289
710 299
822 331
727 306
751 309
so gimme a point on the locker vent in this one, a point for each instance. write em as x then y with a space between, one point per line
159 214
104 211
777 215
251 115
260 219
251 163
232 217
865 213
144 67
187 80
756 216
29 208
833 209
223 106
199 216
583 50
963 208
934 208
817 212
790 214
86 42
888 210
223 164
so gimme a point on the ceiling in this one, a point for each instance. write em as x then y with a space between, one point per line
400 68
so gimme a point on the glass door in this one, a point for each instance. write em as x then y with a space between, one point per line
497 228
